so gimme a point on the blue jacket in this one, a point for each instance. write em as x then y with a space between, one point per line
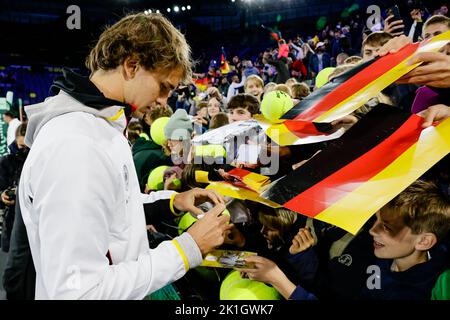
326 62
416 283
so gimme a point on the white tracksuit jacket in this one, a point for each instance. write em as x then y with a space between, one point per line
80 198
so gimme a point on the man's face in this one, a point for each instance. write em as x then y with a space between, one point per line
253 88
391 238
369 52
434 30
148 88
239 114
235 79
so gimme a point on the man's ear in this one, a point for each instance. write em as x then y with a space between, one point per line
426 241
130 67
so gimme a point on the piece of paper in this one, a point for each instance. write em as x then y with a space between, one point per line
227 259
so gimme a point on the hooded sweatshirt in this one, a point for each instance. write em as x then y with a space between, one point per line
82 206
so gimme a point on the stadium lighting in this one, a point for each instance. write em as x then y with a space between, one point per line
188 7
168 10
145 12
176 9
157 11
183 8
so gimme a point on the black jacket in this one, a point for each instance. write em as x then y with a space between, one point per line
10 168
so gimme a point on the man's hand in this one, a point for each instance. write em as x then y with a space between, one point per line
210 231
391 26
303 240
434 113
434 72
345 122
189 200
6 200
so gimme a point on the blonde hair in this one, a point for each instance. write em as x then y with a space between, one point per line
353 60
149 38
254 78
290 82
340 70
437 19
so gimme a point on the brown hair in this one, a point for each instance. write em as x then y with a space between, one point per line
280 219
201 105
159 112
218 120
377 39
300 90
424 208
284 88
290 82
134 129
246 101
437 19
21 130
149 38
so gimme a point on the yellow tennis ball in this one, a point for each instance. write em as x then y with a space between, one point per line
157 130
155 179
275 104
185 222
322 76
233 287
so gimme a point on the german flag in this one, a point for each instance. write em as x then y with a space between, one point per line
349 91
355 176
201 84
295 132
250 180
224 67
231 190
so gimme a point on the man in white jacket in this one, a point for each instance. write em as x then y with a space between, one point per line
79 193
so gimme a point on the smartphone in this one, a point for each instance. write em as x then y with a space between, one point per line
394 11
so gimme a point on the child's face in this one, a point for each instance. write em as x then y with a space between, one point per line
213 107
202 112
272 236
369 52
434 30
253 88
392 239
239 114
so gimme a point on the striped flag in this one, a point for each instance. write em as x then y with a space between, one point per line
201 84
349 91
346 183
295 132
307 121
224 67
